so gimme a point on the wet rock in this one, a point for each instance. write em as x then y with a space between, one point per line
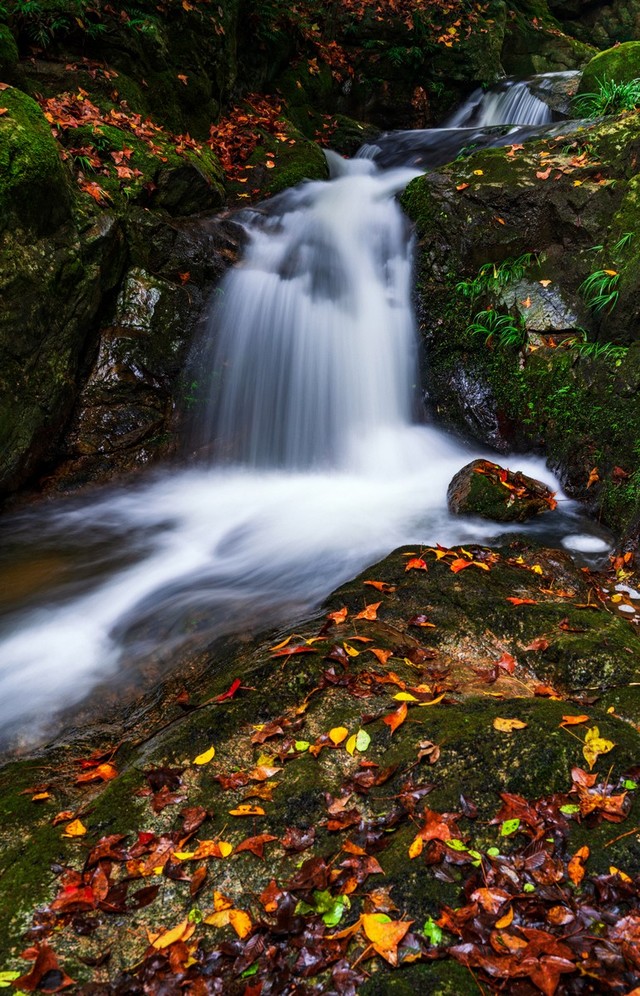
187 190
488 490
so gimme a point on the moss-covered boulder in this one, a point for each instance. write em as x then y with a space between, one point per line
483 488
34 186
620 64
558 225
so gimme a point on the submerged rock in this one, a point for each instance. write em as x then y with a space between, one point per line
488 490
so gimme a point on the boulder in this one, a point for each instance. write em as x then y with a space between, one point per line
621 64
488 490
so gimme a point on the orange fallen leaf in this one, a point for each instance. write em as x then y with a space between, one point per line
395 719
380 585
573 720
338 616
182 932
521 601
544 174
593 477
370 611
575 868
75 829
416 564
462 186
245 809
382 655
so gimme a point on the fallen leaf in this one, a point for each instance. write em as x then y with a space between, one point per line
75 829
508 725
339 616
205 757
595 745
521 601
573 720
416 564
338 734
245 809
395 719
370 611
182 932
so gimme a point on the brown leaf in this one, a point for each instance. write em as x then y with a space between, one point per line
395 719
508 725
46 962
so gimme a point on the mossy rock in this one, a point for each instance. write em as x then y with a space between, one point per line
34 188
279 163
620 64
8 55
483 488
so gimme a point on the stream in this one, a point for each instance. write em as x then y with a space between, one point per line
317 459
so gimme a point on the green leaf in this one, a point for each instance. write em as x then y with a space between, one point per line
629 784
456 845
509 827
362 740
252 970
493 852
331 908
528 887
6 978
570 809
432 931
195 915
302 745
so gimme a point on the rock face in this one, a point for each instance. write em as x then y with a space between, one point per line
488 490
620 64
553 205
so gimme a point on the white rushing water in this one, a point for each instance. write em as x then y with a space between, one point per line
318 465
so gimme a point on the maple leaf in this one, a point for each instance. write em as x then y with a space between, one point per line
395 719
416 564
370 611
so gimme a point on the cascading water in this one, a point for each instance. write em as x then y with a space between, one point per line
318 467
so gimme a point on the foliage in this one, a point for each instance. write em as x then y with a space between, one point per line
611 97
493 276
501 330
599 290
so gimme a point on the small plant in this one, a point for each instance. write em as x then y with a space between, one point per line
625 240
492 276
601 351
600 291
610 98
503 330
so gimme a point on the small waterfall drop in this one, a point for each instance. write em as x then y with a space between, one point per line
314 332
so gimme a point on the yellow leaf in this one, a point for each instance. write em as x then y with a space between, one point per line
616 871
241 923
478 172
351 650
225 848
74 829
184 855
537 569
221 902
577 183
595 745
182 932
416 847
506 920
204 758
612 273
338 734
405 697
433 701
244 809
220 919
508 725
351 744
545 283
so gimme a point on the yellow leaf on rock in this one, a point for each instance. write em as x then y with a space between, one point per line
74 829
595 745
241 923
182 932
205 757
338 734
508 725
506 920
405 697
244 809
416 847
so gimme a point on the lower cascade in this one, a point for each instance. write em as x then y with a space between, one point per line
312 461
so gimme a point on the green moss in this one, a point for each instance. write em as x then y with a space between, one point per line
621 64
446 978
34 190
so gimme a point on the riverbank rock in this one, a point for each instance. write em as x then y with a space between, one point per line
555 217
488 490
620 64
416 742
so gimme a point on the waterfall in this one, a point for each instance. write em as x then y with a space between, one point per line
314 332
318 466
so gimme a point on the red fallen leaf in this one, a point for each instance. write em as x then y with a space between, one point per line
594 476
338 616
290 651
183 79
370 611
416 564
618 475
491 900
462 186
521 601
184 277
255 844
46 964
544 175
507 663
194 817
381 586
545 691
270 896
540 643
4 110
230 692
566 626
